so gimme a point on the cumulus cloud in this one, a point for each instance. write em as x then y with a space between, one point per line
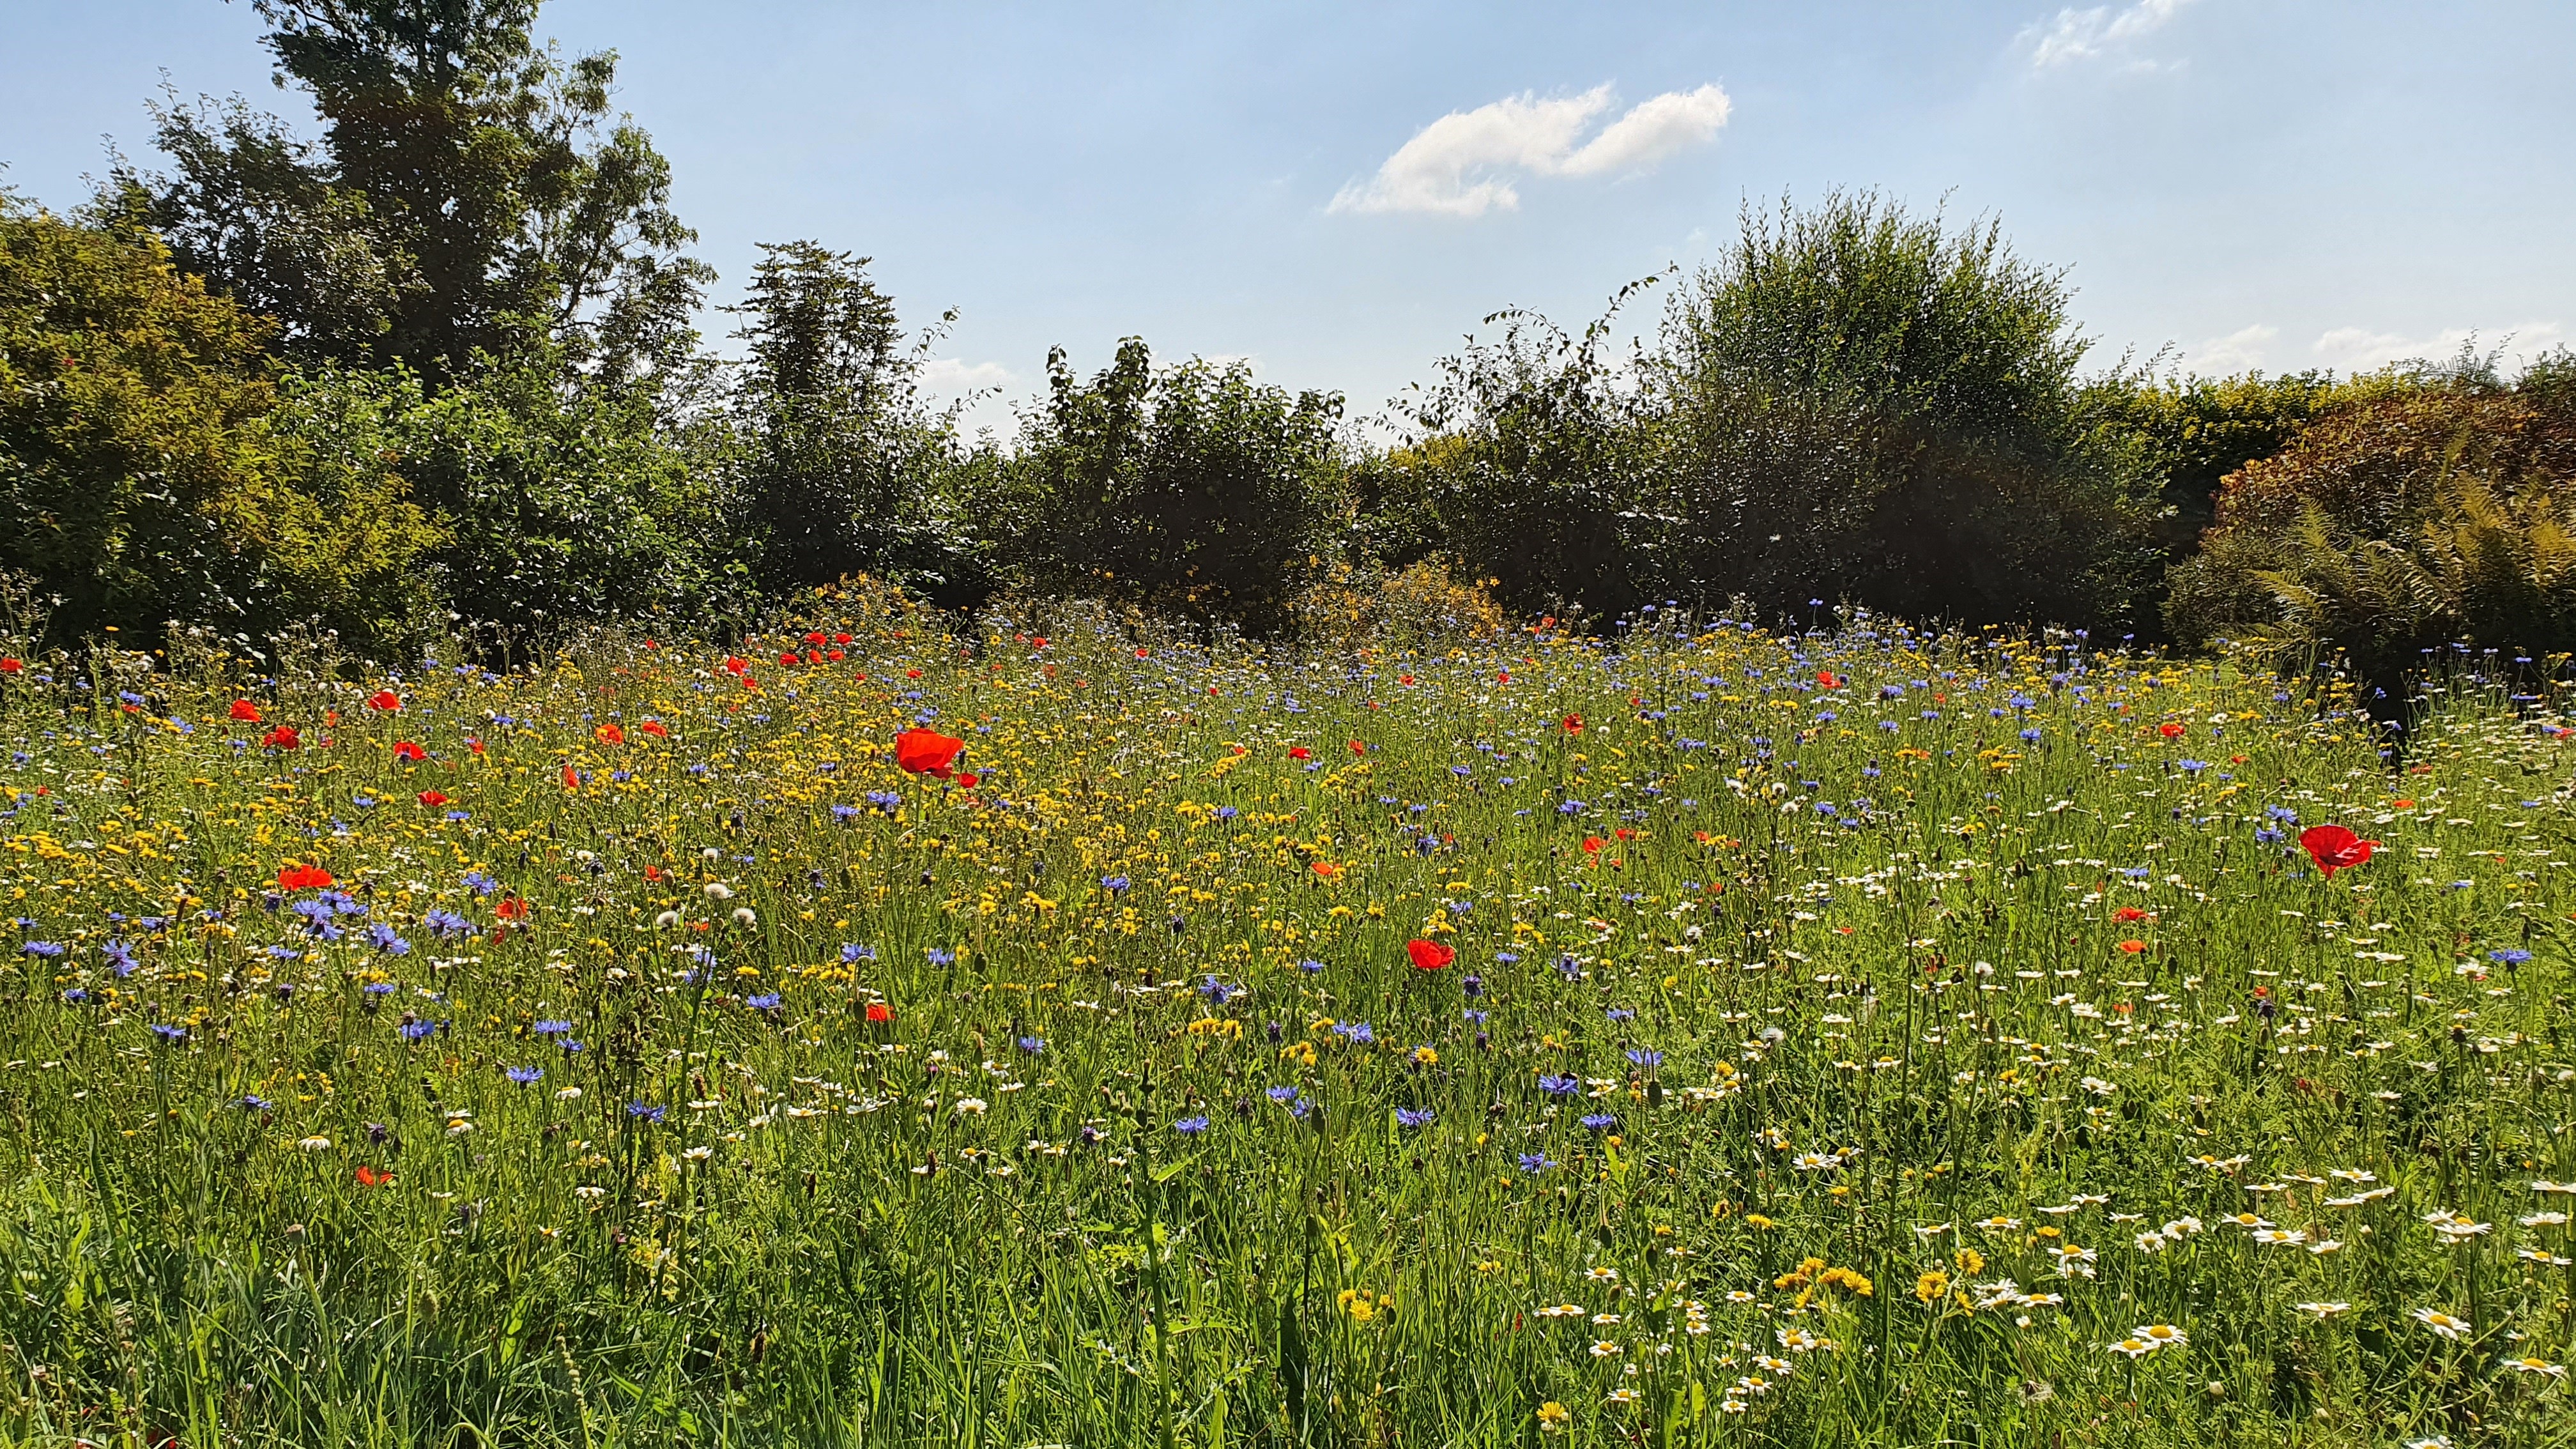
2360 349
1464 163
2239 351
954 376
2089 35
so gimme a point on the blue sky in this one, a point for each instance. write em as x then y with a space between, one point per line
1338 192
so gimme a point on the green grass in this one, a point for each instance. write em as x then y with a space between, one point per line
1840 1049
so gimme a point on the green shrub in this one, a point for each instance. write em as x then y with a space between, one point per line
1191 489
152 471
2429 507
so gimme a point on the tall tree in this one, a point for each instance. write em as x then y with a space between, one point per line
841 460
471 191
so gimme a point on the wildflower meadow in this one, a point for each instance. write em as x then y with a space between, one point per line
1055 1030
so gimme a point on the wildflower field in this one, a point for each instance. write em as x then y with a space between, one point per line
902 1030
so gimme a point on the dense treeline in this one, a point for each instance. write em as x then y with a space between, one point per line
436 366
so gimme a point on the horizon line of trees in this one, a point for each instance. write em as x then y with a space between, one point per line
436 368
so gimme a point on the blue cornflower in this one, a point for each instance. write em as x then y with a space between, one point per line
2030 736
1408 1117
1191 1126
852 954
1599 1121
939 957
766 1001
1620 1013
1645 1058
1474 1017
1556 1086
2509 957
379 988
254 1104
481 884
1279 1094
120 957
1310 967
1032 1044
2191 767
75 996
416 1030
524 1076
1216 991
46 949
1114 883
171 1033
845 812
569 1045
1535 1163
387 941
1357 1031
550 1027
645 1111
1226 812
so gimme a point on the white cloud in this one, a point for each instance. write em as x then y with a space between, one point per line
2359 349
954 376
2086 35
1463 164
2239 351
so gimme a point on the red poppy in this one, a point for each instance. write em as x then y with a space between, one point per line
1503 676
10 666
281 738
926 752
814 636
652 872
432 797
511 908
969 779
1828 679
571 778
1624 833
789 659
1358 748
1327 869
1429 955
373 1177
1300 752
836 656
912 674
475 745
735 666
1592 845
2128 913
2170 730
610 734
1405 680
2132 948
879 1013
245 711
406 750
844 639
303 878
386 700
1574 724
2333 847
655 728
